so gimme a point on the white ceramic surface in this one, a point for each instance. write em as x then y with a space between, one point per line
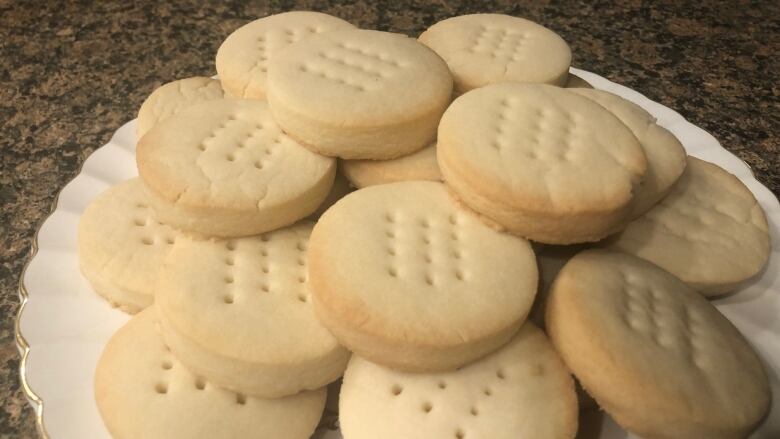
66 325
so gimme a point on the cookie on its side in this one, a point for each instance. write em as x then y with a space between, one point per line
405 278
121 246
225 168
523 390
238 312
709 231
170 98
665 154
242 59
542 161
143 392
420 165
482 49
359 94
656 356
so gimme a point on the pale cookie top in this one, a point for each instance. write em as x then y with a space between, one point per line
245 298
483 49
142 391
709 231
404 262
360 78
227 154
540 148
651 350
172 97
665 154
419 165
242 59
119 240
523 390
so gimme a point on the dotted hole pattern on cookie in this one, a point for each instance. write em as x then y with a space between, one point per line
272 40
150 231
501 44
649 314
437 248
250 145
552 134
353 66
264 278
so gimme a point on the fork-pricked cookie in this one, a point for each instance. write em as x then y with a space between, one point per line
523 390
482 49
121 246
665 154
238 312
242 59
359 94
172 97
543 162
404 277
656 356
709 231
144 392
419 165
225 168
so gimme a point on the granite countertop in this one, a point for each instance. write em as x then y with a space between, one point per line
72 73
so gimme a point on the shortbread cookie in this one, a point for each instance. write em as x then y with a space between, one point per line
359 94
575 81
420 165
238 312
121 246
659 358
143 392
224 168
403 277
665 154
172 97
542 161
482 49
341 187
709 231
523 390
242 59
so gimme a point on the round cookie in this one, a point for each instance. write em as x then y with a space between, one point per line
420 165
238 312
359 94
121 246
242 59
405 278
172 97
656 356
482 49
545 163
143 391
523 390
224 168
665 154
575 81
709 231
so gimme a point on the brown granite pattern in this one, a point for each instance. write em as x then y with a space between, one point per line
72 73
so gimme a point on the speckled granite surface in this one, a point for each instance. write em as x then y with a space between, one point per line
72 74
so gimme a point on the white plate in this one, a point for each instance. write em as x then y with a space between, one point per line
63 325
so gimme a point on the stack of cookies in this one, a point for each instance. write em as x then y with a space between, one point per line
258 277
